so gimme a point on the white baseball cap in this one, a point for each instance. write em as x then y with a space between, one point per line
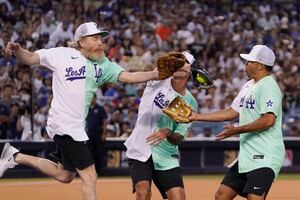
189 57
88 28
261 54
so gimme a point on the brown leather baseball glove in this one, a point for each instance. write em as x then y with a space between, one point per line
168 64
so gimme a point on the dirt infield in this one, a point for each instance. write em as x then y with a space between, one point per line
120 189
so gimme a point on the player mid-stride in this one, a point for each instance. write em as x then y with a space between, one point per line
77 72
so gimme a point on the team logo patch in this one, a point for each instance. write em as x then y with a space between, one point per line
83 30
269 103
98 73
249 102
73 74
160 101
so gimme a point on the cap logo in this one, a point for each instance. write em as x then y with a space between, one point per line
83 31
97 26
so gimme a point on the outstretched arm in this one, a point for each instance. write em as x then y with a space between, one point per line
137 77
264 122
23 55
219 116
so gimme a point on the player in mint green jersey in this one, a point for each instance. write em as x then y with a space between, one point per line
259 107
152 147
77 73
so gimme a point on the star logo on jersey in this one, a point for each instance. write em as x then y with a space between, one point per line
269 103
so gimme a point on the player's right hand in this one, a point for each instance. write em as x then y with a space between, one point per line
11 48
193 116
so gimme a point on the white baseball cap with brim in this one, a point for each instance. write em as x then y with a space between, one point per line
87 29
261 54
189 57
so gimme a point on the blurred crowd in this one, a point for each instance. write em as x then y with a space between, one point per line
215 32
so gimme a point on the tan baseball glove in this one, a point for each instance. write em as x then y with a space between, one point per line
178 110
168 64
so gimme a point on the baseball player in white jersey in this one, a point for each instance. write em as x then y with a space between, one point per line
77 72
160 161
259 107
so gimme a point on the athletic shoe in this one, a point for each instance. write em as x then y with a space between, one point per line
7 160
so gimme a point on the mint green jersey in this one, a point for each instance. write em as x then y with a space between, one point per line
262 148
99 73
165 155
74 83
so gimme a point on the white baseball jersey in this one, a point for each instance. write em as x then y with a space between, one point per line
74 83
157 95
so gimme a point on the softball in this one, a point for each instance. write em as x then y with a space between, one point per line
200 79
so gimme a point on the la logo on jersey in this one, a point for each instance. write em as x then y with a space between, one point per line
73 74
160 102
98 72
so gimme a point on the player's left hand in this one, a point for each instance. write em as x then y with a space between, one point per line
158 136
228 131
155 74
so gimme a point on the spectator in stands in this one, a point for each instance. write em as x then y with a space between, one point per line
24 124
152 147
4 113
47 26
13 133
259 107
125 129
21 23
7 94
116 120
39 122
3 73
62 33
110 131
74 86
208 105
207 132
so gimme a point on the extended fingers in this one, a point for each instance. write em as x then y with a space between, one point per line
155 139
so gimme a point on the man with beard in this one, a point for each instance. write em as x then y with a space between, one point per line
259 107
152 148
77 72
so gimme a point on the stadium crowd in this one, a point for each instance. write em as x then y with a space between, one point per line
140 31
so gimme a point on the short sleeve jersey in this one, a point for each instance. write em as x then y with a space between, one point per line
75 81
157 95
263 148
166 155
